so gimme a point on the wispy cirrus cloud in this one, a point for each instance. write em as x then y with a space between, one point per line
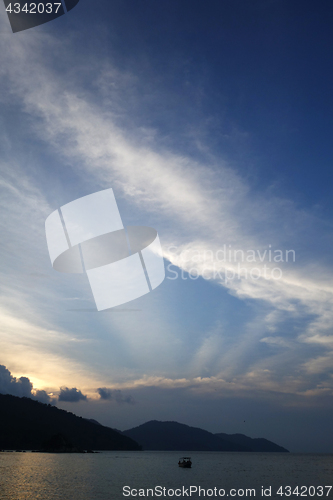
200 206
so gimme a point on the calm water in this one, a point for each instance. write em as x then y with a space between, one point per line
31 476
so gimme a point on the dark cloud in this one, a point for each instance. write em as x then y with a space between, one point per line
43 397
21 387
115 395
71 395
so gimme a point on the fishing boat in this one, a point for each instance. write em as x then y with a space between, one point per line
185 462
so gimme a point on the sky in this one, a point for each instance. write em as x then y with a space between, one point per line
211 122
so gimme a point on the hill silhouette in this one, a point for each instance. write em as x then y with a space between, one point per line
29 425
172 436
254 444
26 424
155 435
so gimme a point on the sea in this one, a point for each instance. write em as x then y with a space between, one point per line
117 475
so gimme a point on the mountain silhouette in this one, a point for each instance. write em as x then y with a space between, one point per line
172 436
26 424
29 425
256 444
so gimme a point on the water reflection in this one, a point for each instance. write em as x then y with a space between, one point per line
39 476
31 476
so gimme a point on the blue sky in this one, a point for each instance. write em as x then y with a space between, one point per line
212 124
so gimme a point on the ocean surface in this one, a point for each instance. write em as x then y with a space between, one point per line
120 475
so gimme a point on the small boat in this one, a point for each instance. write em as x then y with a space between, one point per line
185 462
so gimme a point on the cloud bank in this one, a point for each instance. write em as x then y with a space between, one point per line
21 387
73 395
114 395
